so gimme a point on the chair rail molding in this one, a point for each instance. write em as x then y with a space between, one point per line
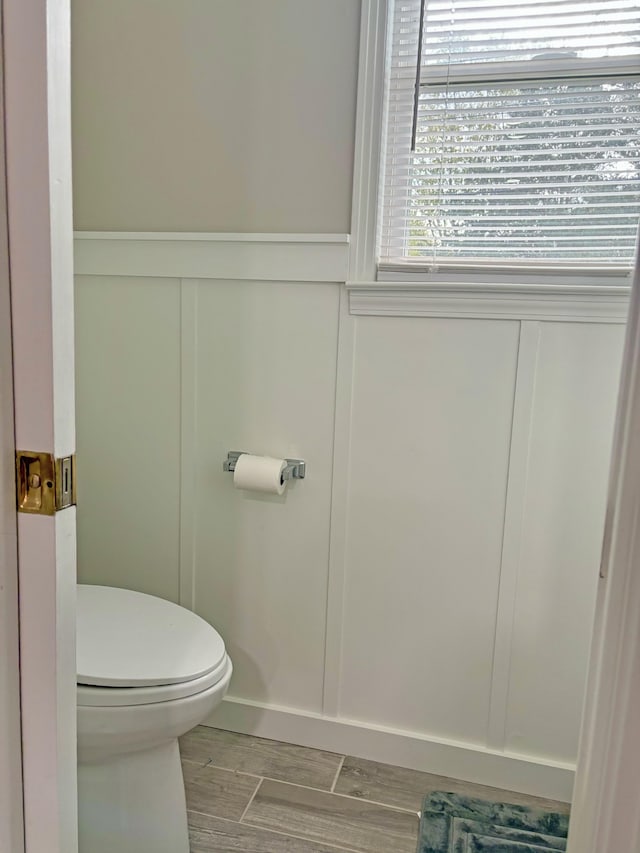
249 257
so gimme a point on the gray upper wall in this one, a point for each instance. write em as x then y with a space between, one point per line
214 115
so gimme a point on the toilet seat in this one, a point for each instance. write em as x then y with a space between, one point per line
110 697
134 648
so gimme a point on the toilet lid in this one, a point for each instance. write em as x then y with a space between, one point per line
129 639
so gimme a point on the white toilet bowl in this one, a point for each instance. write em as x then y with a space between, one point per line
148 671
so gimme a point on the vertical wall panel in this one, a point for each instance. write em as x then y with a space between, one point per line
432 409
266 384
572 425
128 422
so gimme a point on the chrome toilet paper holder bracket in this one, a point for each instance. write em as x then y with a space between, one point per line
295 469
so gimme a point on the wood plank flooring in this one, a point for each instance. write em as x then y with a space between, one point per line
266 758
261 796
406 789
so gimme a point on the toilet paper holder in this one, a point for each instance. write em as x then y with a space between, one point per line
295 470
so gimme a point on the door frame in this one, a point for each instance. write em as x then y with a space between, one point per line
605 814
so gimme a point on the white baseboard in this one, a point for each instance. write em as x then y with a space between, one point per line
405 749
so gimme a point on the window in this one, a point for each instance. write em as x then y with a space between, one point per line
512 135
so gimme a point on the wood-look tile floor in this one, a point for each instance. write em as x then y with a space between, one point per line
261 796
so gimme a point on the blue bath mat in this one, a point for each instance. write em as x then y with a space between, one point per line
454 824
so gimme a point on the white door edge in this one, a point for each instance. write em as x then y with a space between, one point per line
36 40
605 816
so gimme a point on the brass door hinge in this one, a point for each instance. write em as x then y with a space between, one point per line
44 484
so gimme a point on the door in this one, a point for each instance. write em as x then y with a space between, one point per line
36 43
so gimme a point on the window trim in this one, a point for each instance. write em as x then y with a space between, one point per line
604 286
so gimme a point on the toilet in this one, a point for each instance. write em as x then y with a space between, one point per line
148 671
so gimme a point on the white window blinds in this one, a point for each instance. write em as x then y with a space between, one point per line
525 128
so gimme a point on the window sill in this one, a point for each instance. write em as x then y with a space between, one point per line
596 300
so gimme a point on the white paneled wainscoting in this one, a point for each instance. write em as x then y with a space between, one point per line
425 596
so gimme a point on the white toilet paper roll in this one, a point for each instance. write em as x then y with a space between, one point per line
260 474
